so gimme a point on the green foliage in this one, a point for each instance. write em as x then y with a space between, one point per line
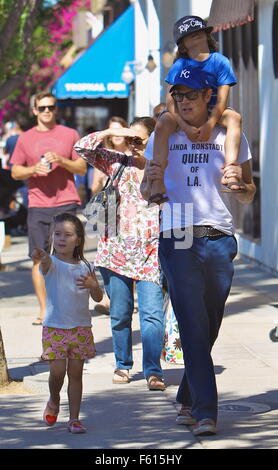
20 49
24 69
16 53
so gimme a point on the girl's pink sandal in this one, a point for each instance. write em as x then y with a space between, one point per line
76 427
50 414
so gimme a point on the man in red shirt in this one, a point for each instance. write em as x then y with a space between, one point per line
51 186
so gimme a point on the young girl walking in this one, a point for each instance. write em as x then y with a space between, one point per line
67 336
197 51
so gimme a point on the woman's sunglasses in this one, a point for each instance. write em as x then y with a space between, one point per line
41 109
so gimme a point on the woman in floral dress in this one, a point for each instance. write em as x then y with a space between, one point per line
99 180
131 254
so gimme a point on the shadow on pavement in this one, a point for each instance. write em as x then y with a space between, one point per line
132 419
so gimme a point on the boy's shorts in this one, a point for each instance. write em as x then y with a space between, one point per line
73 343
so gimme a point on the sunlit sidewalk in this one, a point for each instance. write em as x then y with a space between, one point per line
130 416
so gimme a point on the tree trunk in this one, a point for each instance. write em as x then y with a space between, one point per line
4 374
11 25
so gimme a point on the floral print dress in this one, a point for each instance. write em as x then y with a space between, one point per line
133 252
172 351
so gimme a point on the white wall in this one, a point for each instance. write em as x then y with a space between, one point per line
141 53
147 41
200 8
268 93
266 250
154 46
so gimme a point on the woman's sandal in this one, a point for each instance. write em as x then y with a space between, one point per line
120 377
76 427
155 382
51 412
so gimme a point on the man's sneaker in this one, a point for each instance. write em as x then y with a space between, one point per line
205 427
185 416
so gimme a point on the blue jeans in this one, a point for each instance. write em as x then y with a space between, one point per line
199 280
150 304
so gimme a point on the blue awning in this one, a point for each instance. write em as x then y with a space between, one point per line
97 72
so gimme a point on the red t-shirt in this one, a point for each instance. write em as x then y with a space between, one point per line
57 188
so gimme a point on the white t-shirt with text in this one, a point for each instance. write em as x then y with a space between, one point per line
193 182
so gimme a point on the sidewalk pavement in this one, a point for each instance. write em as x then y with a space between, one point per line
130 416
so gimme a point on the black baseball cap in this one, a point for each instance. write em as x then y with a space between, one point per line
189 24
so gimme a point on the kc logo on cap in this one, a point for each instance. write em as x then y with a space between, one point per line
188 76
185 73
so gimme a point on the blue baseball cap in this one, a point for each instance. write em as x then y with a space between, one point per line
179 74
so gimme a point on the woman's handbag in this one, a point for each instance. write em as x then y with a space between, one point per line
101 210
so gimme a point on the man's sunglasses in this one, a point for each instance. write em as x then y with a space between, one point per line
41 109
189 95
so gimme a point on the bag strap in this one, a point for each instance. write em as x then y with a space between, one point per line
118 173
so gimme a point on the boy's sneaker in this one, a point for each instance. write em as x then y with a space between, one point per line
185 416
205 427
